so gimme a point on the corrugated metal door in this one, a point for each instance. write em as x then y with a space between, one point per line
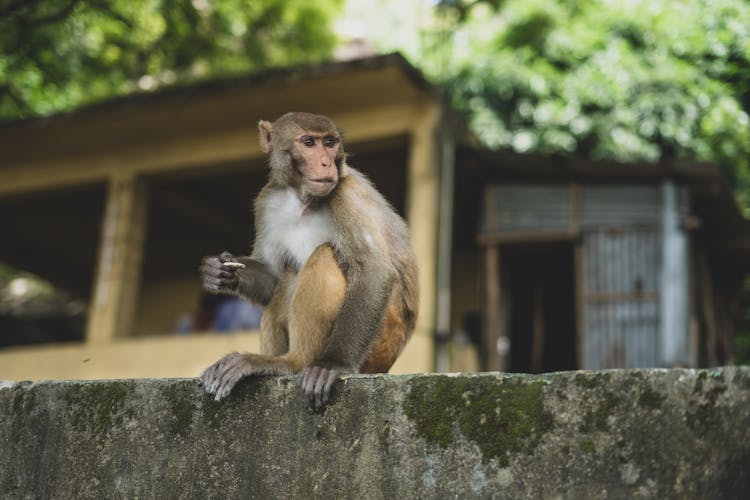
522 208
621 297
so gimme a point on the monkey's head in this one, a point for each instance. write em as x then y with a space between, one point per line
305 152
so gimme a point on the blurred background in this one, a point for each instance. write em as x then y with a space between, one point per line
575 174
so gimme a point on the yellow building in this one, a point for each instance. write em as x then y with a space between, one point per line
551 264
117 203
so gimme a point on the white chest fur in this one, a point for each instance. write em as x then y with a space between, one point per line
289 231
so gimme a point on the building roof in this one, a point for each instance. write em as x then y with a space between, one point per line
217 85
386 82
719 224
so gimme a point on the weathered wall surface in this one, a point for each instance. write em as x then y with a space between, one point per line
612 434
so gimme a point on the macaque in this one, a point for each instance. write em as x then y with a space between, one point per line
331 263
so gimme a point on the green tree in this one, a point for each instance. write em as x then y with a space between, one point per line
629 80
59 54
636 80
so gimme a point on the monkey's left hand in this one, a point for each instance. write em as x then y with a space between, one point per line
317 380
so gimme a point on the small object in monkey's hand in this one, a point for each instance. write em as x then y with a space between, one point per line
238 265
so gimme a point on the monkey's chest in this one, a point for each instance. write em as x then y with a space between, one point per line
290 234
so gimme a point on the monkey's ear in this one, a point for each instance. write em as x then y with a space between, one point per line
264 136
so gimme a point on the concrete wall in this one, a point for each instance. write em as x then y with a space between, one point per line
611 434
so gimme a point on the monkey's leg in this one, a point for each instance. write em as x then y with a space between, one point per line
221 377
315 299
274 331
315 303
391 339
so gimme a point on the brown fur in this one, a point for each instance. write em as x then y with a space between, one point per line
351 305
391 340
314 306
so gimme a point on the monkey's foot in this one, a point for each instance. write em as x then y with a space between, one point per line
317 380
221 377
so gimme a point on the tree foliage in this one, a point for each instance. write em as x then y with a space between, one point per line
623 79
58 54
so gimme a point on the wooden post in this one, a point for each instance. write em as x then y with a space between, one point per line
709 310
444 254
538 329
113 305
579 278
422 215
580 291
493 323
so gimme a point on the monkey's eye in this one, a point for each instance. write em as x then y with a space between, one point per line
308 140
330 141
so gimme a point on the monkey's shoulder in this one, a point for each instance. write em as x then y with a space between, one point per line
358 198
365 221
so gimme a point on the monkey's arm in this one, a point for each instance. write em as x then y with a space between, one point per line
253 281
353 332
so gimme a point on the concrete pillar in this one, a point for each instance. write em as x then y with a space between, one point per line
422 207
117 281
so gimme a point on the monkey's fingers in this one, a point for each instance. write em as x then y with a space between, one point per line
317 395
219 285
210 265
211 377
309 376
216 277
323 387
235 370
316 383
220 273
208 377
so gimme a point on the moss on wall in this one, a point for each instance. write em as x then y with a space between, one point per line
501 416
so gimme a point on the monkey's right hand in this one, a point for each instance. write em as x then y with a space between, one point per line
219 274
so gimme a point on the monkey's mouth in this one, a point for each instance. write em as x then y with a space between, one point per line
321 186
323 180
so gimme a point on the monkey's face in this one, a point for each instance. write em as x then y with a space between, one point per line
316 157
306 153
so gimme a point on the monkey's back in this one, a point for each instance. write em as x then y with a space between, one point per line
374 211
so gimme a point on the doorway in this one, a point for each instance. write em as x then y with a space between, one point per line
538 287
